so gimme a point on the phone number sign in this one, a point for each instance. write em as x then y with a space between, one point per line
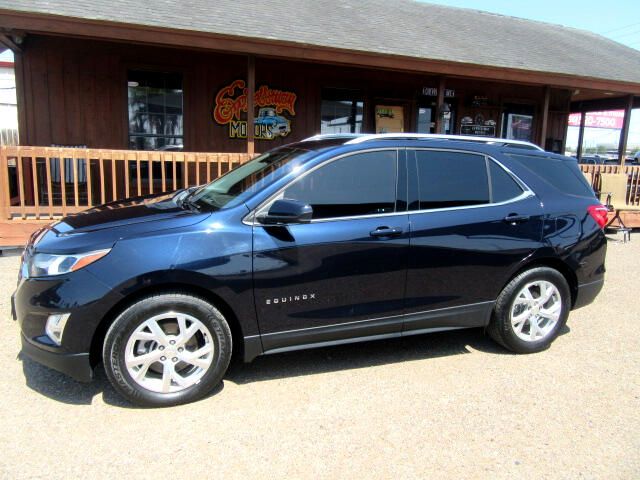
608 119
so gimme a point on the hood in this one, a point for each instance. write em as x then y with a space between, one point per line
108 223
123 213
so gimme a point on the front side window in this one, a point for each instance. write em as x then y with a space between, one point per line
360 184
451 179
341 112
155 111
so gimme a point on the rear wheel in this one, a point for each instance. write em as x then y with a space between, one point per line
167 349
531 310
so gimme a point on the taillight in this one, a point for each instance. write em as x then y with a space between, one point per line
599 214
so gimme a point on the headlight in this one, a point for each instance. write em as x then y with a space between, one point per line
45 264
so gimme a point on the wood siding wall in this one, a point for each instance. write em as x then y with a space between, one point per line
74 92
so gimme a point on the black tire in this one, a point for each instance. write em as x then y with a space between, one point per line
500 328
130 319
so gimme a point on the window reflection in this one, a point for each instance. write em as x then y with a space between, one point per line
155 111
341 112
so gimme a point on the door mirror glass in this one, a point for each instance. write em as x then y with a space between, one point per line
287 211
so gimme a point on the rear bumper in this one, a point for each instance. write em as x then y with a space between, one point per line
75 365
587 293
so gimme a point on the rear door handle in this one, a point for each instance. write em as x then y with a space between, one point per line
514 218
386 232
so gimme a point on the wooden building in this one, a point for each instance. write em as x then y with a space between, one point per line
237 77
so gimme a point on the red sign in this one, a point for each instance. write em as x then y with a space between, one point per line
607 119
269 122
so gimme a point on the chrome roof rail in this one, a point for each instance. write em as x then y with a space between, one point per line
325 136
434 136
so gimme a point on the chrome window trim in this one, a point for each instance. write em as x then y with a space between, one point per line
249 219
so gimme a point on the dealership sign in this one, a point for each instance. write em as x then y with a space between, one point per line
608 119
270 121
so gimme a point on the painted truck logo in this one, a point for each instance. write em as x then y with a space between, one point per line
269 122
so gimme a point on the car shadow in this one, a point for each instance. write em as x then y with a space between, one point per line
61 388
362 355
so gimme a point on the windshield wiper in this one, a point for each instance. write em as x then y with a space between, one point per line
185 200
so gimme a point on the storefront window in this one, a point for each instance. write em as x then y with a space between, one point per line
155 111
341 112
518 122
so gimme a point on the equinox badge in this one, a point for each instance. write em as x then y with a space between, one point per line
293 298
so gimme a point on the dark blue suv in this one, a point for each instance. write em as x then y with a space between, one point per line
331 240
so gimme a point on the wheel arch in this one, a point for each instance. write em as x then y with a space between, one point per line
97 341
557 264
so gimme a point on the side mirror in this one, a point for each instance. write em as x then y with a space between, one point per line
285 211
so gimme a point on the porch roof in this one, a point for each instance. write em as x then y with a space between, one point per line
405 29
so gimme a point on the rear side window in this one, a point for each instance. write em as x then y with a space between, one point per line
451 179
360 184
561 174
503 186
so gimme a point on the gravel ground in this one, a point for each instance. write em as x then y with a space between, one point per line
447 405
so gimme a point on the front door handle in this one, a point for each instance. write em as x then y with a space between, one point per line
386 232
514 218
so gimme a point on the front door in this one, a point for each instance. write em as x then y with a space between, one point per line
342 276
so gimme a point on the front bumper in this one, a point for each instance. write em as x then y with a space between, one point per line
79 294
75 365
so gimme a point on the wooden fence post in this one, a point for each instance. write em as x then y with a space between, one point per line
5 196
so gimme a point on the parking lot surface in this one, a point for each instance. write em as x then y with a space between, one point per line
447 405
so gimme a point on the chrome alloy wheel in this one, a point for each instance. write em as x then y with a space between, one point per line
536 310
169 352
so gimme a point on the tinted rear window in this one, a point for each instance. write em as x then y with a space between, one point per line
503 187
451 179
561 174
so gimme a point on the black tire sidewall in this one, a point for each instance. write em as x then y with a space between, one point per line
126 323
502 313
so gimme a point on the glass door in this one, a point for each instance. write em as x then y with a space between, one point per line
426 120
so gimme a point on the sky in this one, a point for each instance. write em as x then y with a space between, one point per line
618 20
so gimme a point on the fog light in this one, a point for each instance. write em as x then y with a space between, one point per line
55 326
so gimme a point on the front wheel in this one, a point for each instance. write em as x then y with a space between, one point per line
167 350
531 310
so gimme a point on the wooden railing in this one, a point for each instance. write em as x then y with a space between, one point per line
45 183
592 173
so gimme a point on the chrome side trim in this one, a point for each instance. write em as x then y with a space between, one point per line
330 343
379 318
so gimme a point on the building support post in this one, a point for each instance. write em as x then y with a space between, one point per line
440 103
251 88
624 133
583 116
545 117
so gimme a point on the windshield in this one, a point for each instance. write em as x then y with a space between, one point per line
242 182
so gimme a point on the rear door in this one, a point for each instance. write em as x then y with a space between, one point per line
471 223
342 276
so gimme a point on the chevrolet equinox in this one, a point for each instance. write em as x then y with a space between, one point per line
331 240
